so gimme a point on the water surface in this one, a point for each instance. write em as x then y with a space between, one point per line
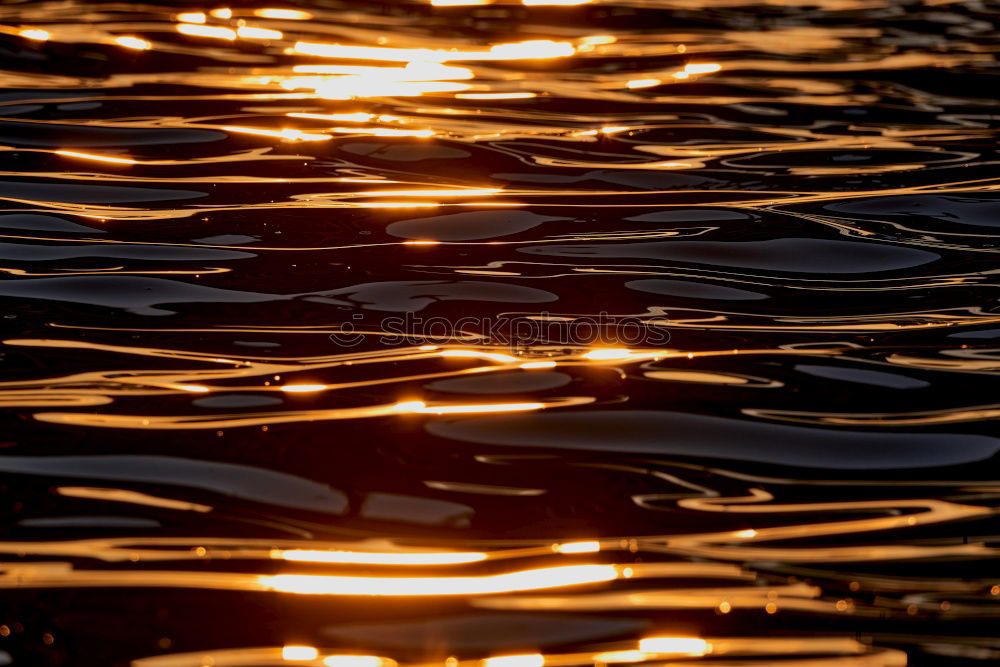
495 334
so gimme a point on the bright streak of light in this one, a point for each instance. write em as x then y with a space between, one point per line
302 388
527 660
532 49
222 13
378 558
678 645
194 388
421 243
421 408
554 3
99 158
248 32
288 14
476 354
357 661
299 653
620 656
398 204
746 534
344 88
383 132
133 497
133 43
410 406
599 39
290 135
702 68
642 83
458 192
459 3
605 354
197 30
359 117
414 71
536 48
495 96
523 580
192 17
533 365
474 409
36 34
586 547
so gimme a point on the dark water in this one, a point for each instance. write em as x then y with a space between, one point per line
650 331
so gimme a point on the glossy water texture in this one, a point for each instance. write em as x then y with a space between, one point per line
740 407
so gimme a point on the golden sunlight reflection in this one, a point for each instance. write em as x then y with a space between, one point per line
133 43
421 408
810 651
611 657
357 661
294 652
36 34
412 71
688 71
524 660
620 354
527 50
596 40
554 3
584 547
367 85
495 96
383 132
355 117
477 354
194 388
537 365
286 134
287 14
313 380
192 17
379 558
250 32
302 388
199 30
522 580
702 68
132 497
399 204
99 158
643 83
457 192
607 354
675 645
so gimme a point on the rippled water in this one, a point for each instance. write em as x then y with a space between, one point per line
638 331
